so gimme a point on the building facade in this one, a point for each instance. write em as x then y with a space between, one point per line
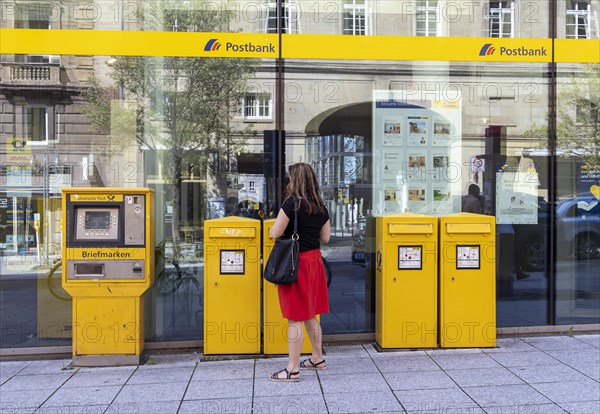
399 106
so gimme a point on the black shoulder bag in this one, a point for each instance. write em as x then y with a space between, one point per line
282 265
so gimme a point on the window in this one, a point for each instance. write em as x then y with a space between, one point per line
35 124
578 19
501 19
34 17
427 18
256 106
355 17
251 187
289 19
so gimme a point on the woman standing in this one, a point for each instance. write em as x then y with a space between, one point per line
304 300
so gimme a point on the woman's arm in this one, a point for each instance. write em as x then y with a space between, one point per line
280 224
325 233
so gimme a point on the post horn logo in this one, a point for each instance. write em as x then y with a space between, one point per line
487 50
212 45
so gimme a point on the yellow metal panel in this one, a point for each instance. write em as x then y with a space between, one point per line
274 325
106 253
106 326
467 283
406 281
464 228
577 50
231 295
232 232
94 198
410 228
380 315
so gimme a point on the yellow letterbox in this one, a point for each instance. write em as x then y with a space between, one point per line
406 281
467 281
108 263
275 327
231 286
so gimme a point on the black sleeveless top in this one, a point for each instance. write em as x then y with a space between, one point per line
309 225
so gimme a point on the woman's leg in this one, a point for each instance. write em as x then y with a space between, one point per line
295 340
313 329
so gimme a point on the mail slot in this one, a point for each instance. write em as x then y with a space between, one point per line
232 286
406 281
467 281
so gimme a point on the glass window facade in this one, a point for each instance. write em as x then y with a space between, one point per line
388 125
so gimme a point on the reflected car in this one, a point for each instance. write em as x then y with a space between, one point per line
531 239
577 232
578 227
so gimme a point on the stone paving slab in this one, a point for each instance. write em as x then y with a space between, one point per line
98 379
483 377
32 382
547 373
543 375
373 402
138 393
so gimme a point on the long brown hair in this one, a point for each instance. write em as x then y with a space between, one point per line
304 186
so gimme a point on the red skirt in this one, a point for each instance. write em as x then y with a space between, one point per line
307 297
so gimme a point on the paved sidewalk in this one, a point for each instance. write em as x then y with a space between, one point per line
546 375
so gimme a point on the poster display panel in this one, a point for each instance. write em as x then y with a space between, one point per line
417 153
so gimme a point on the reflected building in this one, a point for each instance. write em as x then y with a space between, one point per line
68 120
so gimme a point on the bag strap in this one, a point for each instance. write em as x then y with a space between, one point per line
296 208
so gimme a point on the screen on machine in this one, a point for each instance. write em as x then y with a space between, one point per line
97 220
96 223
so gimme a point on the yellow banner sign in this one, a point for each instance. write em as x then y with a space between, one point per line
416 48
97 197
105 253
577 50
297 46
130 43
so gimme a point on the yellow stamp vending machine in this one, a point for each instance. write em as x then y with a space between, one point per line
108 263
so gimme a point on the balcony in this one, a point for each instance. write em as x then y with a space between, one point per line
29 73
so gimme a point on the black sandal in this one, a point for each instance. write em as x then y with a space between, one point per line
308 364
288 376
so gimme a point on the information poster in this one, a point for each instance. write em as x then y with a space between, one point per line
418 131
392 132
410 257
517 198
392 163
232 262
468 257
441 132
416 147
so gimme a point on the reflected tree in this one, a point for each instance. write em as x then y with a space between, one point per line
578 117
183 106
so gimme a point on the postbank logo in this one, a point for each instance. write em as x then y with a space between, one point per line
488 49
214 45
